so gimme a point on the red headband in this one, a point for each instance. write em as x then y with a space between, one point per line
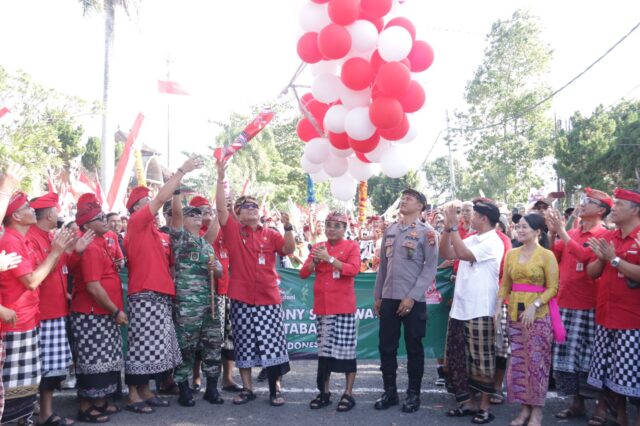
45 202
137 194
17 200
199 201
625 194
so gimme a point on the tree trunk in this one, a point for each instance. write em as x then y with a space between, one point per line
107 152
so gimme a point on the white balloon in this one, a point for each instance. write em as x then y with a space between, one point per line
344 187
353 99
364 35
394 43
344 153
395 162
317 150
411 134
308 166
376 155
326 88
358 125
320 176
324 67
335 166
361 171
334 119
314 17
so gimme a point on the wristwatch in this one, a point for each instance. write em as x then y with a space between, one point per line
454 228
615 262
331 260
537 303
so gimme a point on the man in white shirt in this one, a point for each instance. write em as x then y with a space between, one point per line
470 352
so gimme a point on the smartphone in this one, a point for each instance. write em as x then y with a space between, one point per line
520 307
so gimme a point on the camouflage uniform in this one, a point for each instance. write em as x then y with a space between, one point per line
195 328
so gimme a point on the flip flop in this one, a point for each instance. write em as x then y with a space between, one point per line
483 417
273 400
461 411
56 420
139 408
232 388
569 413
154 401
244 396
597 421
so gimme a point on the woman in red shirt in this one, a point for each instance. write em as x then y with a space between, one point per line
335 262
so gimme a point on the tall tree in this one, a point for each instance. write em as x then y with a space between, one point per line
503 133
91 157
383 191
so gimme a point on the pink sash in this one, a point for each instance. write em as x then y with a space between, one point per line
559 332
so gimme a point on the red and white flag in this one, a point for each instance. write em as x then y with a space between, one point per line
171 88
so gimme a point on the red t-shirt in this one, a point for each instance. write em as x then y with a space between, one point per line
252 261
13 293
53 290
222 253
97 263
577 290
335 294
147 255
618 306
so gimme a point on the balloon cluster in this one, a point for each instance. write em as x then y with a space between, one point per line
358 114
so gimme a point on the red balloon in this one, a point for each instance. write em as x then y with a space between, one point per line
366 145
308 48
357 74
396 133
306 131
304 99
318 110
413 99
393 79
385 112
404 23
334 41
421 56
376 60
376 8
378 22
362 158
344 12
339 140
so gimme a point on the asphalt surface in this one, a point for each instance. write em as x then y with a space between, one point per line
299 389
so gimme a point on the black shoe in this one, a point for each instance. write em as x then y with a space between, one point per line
262 376
412 402
388 399
211 394
186 396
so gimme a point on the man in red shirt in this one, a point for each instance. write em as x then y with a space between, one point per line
256 304
577 301
97 311
19 292
614 365
153 346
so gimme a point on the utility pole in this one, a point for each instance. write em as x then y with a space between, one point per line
452 174
168 114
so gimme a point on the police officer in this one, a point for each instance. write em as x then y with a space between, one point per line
199 312
408 261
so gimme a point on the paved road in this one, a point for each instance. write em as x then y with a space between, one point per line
299 390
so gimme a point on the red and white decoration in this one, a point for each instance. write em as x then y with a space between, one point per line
358 115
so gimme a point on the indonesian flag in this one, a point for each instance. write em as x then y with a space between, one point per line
171 88
122 175
93 185
3 111
249 132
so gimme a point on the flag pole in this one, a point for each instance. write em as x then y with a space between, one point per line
168 115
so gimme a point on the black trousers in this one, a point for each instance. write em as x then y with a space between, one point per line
415 327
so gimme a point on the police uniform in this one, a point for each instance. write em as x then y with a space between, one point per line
408 262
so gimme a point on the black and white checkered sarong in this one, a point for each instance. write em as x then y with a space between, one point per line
21 371
227 342
97 343
55 353
337 336
502 345
616 361
153 345
258 335
574 355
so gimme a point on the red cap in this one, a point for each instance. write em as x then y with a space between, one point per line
619 193
45 202
599 195
337 217
88 208
17 200
199 201
137 194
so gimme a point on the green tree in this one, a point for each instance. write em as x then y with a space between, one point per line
438 178
383 191
503 134
91 157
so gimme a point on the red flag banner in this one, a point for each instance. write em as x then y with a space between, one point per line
3 111
171 88
249 132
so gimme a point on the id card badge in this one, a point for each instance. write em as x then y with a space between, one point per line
579 267
261 259
223 254
65 270
336 274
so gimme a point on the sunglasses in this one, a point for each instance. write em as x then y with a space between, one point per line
193 214
589 200
101 218
248 206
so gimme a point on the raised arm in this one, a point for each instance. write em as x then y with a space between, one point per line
166 192
221 202
176 212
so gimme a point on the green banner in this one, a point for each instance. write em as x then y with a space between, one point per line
300 321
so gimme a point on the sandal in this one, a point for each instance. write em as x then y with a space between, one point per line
346 403
87 416
154 401
597 421
461 411
232 388
320 401
56 420
569 413
244 396
276 400
496 398
483 417
108 409
139 408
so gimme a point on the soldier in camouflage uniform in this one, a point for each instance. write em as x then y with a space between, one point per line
196 327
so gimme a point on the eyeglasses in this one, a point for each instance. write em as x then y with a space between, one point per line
248 206
193 214
589 200
333 225
101 218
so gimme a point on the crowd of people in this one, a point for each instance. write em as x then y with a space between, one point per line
535 295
